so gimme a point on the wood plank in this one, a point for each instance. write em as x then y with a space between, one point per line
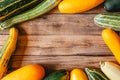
59 62
59 51
64 44
59 24
59 45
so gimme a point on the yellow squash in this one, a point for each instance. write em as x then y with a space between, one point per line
7 50
112 40
78 74
76 6
28 72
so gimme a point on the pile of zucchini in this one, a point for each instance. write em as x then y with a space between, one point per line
16 11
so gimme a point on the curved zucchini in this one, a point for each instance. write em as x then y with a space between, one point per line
40 9
7 50
10 8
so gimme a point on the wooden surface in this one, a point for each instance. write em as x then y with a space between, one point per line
60 41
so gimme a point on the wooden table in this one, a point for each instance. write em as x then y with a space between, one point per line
60 41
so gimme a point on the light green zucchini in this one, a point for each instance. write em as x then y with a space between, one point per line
111 21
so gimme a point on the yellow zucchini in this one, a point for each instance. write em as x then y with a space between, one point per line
112 39
7 50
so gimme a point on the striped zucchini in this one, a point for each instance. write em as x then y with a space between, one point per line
94 74
9 8
7 50
40 9
111 21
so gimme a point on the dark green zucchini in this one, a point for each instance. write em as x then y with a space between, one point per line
9 8
112 5
58 75
41 8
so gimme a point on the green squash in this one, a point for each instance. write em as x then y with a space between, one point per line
58 75
112 5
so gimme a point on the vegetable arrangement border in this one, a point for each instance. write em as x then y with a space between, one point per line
109 21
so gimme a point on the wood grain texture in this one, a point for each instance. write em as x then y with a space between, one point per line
59 45
59 41
61 24
60 62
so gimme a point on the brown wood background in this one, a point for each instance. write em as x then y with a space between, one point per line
60 41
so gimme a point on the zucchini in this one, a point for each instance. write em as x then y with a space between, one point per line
9 8
111 21
112 5
58 75
7 50
94 74
111 70
40 9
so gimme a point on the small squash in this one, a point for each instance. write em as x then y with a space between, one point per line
78 74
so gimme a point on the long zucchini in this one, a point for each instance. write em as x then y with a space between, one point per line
9 8
7 50
40 9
